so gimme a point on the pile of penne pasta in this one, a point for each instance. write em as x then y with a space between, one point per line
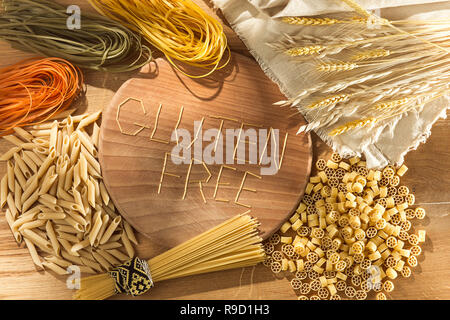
56 201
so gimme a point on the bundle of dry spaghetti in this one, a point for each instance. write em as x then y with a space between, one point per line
233 244
369 70
180 29
56 202
35 90
42 27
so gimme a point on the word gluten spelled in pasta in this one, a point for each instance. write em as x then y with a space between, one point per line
351 234
35 90
56 200
41 26
233 244
179 29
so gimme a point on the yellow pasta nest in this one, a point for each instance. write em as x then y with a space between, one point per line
351 234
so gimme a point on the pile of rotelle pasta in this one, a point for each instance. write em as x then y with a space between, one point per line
352 233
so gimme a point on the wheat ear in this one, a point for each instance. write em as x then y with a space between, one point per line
330 101
371 54
338 67
352 125
305 51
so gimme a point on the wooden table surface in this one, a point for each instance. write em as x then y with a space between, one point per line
428 178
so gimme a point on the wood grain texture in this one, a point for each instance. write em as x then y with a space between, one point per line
132 165
428 177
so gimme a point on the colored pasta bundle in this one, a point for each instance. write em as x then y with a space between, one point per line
179 29
40 26
350 235
36 90
56 201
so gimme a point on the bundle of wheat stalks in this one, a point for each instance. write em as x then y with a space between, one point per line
369 69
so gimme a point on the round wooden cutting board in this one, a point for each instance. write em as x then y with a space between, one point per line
235 100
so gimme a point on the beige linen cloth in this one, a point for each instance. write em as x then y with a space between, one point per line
257 23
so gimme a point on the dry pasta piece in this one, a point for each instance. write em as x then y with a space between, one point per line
410 199
420 213
323 293
412 261
267 261
361 295
388 286
402 170
421 235
350 292
277 255
321 164
381 296
302 297
406 272
296 283
275 267
269 248
275 239
305 288
416 250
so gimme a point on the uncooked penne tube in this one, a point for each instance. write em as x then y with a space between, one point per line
3 190
83 167
110 230
76 175
32 225
95 134
38 161
51 216
33 253
18 195
96 227
91 160
80 245
10 220
55 268
85 141
59 261
37 240
69 179
20 177
53 135
118 254
29 162
91 193
104 193
105 221
14 140
30 201
103 262
130 234
22 165
88 120
52 237
46 164
10 172
12 205
127 244
30 189
10 153
108 257
75 152
25 135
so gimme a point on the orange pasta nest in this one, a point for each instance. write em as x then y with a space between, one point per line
36 90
